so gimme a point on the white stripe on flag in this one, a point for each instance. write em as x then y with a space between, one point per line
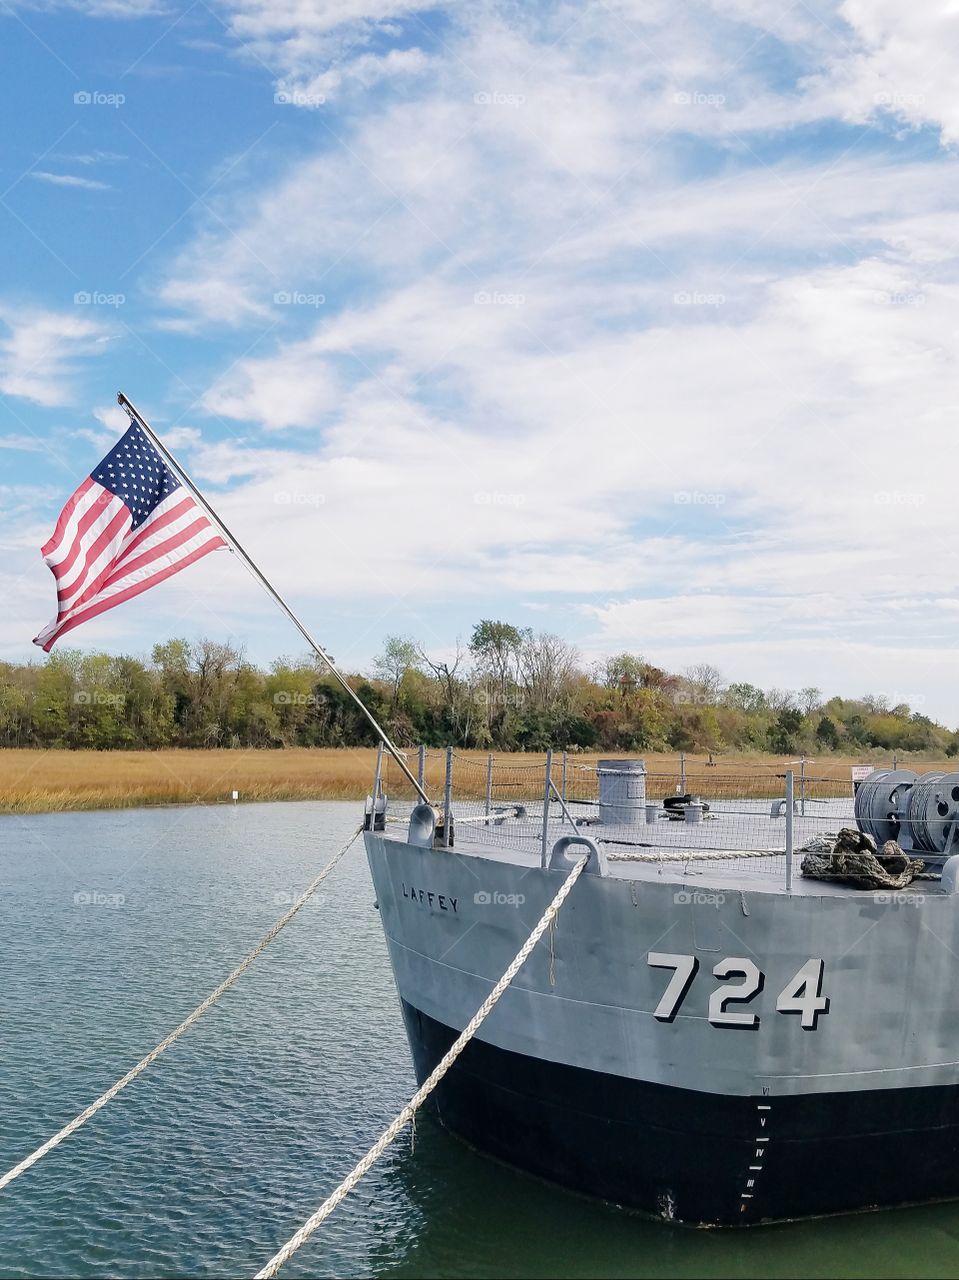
63 548
153 539
205 541
85 571
145 571
209 534
168 504
116 548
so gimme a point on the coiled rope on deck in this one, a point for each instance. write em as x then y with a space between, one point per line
187 1022
409 1111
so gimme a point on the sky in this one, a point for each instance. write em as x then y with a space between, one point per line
630 321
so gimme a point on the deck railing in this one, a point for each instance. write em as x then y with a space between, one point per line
697 814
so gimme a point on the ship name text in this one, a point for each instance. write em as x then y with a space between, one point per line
428 897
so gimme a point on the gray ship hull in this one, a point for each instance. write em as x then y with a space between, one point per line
706 1048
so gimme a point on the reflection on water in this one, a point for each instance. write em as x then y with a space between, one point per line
115 925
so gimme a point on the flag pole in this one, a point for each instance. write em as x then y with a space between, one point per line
134 414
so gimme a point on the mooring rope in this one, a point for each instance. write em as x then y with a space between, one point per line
424 1091
188 1022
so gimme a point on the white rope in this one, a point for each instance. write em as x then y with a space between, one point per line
495 817
501 817
188 1022
414 1104
683 855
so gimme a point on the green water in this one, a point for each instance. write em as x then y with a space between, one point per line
217 1154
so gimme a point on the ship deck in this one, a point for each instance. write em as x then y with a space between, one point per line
737 846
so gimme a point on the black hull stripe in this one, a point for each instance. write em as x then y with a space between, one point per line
703 1159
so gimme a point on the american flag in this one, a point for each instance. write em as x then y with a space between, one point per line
129 525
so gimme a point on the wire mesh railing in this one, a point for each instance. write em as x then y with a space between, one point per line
752 820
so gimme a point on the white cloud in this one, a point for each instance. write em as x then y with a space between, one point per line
319 52
296 19
904 64
298 391
22 443
69 180
182 437
836 643
113 418
40 351
530 141
95 157
362 72
843 663
113 422
99 8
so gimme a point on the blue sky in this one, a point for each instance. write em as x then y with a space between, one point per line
630 321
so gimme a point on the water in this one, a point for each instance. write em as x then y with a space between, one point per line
210 1160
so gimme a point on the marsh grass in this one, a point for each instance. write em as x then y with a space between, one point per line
57 781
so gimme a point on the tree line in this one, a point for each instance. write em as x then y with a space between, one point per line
507 688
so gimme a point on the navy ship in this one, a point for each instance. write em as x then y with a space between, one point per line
708 1034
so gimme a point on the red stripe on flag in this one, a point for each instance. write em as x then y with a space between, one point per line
122 569
93 553
57 536
86 520
147 530
93 610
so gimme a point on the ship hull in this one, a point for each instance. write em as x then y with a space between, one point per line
683 1155
808 1066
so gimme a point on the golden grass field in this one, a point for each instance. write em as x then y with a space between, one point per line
56 781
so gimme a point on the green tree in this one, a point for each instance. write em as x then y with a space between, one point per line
827 735
54 707
497 648
624 672
290 693
400 655
810 699
745 697
786 730
519 689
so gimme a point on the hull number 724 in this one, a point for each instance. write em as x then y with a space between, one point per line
802 994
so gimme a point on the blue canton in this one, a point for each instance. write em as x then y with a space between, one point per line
137 474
